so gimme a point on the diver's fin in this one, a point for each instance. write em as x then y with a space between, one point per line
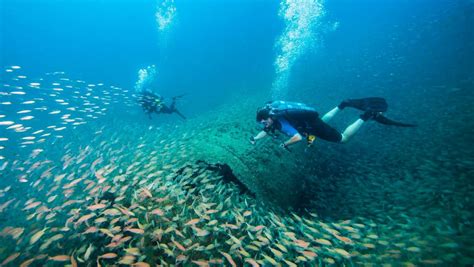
384 120
179 114
377 104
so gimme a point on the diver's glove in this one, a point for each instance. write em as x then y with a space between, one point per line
252 140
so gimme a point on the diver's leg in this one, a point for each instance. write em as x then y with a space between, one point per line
328 116
355 126
166 110
351 130
322 130
173 104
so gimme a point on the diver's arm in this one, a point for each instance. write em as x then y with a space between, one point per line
294 139
260 135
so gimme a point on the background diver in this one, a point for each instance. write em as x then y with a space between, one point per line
297 120
153 103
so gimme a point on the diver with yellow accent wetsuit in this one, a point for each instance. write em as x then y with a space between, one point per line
153 103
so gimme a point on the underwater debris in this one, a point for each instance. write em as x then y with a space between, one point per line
223 170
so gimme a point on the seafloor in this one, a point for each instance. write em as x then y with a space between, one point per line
134 194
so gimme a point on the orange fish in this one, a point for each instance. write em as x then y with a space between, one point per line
10 259
181 257
114 221
100 220
178 245
141 264
201 263
89 186
252 262
5 205
344 239
131 220
125 210
161 199
200 232
90 230
69 202
71 184
108 256
177 232
216 261
106 232
97 161
301 243
229 258
27 262
46 173
192 222
37 236
125 239
52 198
60 258
309 254
127 259
32 205
158 212
94 190
231 226
211 211
73 261
135 230
112 212
85 218
96 206
247 213
146 193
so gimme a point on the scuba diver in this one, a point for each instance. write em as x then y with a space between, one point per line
152 102
297 120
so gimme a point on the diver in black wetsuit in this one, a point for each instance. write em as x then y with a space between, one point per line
153 103
297 120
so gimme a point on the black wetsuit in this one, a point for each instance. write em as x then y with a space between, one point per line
171 109
152 103
306 124
291 117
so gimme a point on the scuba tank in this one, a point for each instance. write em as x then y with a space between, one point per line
292 111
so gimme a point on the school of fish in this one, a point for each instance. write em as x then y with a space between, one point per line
136 197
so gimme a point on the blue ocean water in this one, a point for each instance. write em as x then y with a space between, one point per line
213 47
72 71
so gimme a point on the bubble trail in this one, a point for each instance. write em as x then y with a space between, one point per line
301 18
145 77
165 13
